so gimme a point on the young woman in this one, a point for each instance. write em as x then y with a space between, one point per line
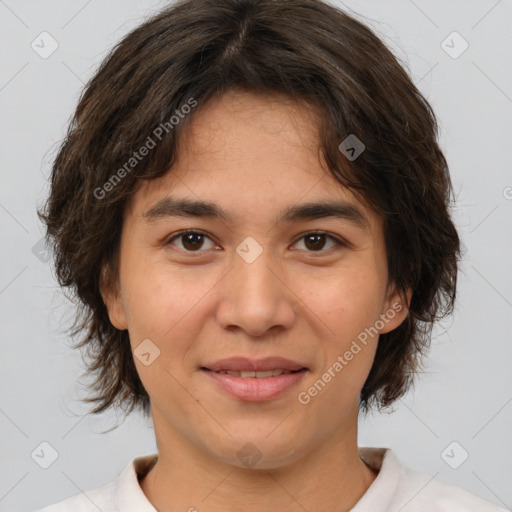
252 206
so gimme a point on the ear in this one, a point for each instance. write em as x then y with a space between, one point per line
109 289
395 310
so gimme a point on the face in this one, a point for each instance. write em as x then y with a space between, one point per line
259 283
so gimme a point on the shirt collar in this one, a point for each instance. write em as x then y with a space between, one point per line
379 495
128 494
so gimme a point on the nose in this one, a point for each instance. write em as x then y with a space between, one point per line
256 298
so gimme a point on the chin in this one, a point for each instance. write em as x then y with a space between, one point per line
258 452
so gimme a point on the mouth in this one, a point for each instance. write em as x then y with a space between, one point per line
253 374
252 380
244 364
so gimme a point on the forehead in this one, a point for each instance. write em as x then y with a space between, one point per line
244 126
249 154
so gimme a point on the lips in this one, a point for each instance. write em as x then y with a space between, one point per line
243 364
255 380
255 375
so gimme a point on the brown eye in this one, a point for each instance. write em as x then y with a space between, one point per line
316 242
191 241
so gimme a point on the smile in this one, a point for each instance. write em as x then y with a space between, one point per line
257 375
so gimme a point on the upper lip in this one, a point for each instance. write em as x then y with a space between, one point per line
244 364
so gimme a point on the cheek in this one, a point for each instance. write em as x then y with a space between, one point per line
347 302
165 305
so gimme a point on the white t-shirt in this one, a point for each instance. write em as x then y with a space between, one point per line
396 488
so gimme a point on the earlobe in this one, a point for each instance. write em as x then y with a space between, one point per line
395 311
112 300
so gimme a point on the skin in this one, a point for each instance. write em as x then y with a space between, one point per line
254 156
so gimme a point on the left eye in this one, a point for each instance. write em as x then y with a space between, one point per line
192 241
316 241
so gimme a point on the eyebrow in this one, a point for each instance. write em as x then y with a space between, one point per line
171 207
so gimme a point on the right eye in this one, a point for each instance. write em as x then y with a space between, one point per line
190 240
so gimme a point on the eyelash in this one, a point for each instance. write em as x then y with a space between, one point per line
339 243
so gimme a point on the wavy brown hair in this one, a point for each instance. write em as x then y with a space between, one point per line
307 50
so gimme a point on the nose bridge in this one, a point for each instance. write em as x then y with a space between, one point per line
254 279
256 297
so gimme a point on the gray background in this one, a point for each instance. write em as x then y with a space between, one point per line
465 393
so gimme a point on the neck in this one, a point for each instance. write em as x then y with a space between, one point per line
329 478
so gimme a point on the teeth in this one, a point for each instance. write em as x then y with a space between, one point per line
257 375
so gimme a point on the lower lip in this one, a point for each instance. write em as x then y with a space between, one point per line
254 389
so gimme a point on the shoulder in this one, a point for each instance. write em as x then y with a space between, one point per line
101 498
418 491
122 493
398 487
